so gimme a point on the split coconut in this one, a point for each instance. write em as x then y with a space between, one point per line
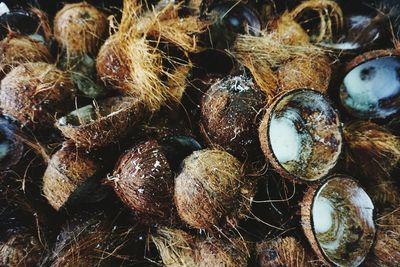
34 93
212 181
101 123
229 111
338 221
301 135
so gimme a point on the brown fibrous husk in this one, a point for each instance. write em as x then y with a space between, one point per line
144 181
80 28
178 248
212 180
116 117
261 54
313 72
67 171
291 32
286 251
16 50
367 140
229 111
33 93
132 61
386 249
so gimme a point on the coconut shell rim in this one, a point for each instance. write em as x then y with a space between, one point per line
369 56
266 146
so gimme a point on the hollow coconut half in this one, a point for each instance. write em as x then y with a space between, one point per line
102 123
301 135
338 221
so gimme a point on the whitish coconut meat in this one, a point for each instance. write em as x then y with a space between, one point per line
367 90
285 140
4 147
323 210
3 8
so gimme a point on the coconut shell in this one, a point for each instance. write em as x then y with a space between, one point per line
70 172
80 28
229 112
306 72
287 251
11 148
212 181
178 248
34 93
16 50
351 213
116 116
315 118
143 180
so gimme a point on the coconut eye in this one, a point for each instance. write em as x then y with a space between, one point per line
371 88
301 136
338 221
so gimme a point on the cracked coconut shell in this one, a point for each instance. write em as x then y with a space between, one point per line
212 181
34 93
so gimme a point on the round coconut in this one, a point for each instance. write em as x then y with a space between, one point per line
143 180
212 181
306 72
287 251
69 176
301 135
106 122
16 50
229 112
178 248
11 149
337 219
34 93
80 28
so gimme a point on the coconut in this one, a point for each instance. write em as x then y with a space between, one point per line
363 94
337 219
102 123
178 248
16 50
143 180
386 249
212 181
80 28
289 28
33 93
229 112
70 175
131 63
306 72
301 135
286 251
11 148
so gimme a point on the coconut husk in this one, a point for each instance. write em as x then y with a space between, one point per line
114 118
132 61
300 72
143 180
261 54
33 93
212 181
287 251
16 50
44 24
386 249
80 28
178 248
367 140
68 174
291 32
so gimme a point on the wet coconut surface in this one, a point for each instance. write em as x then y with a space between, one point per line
301 135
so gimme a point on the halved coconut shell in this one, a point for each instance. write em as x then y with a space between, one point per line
301 135
337 218
107 122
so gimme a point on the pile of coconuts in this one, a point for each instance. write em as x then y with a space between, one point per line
200 133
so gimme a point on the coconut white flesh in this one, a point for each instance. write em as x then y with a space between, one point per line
343 224
366 86
4 149
3 8
81 116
